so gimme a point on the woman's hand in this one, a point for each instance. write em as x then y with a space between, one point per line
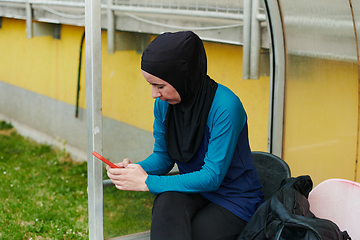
129 177
123 164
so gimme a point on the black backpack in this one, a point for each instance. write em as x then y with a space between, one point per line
287 216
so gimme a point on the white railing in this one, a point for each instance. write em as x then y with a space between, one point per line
229 6
231 9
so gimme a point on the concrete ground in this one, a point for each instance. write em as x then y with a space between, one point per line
136 236
40 137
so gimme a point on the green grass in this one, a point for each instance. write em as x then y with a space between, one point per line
43 195
126 212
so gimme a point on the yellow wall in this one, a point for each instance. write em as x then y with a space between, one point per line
225 66
321 102
42 64
321 114
126 95
50 67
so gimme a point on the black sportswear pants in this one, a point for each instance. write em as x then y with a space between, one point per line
181 216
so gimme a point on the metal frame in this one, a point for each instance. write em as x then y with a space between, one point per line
94 117
246 39
252 39
110 27
29 29
277 77
255 40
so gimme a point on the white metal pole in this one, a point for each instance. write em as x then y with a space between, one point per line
29 18
246 39
94 117
110 27
277 77
255 40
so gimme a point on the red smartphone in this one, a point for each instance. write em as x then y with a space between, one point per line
104 160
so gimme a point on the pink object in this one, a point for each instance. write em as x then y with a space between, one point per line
339 201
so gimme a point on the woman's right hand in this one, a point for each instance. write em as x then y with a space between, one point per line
122 164
129 177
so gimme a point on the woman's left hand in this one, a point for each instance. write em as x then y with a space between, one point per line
130 178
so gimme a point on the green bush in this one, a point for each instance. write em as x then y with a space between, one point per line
5 126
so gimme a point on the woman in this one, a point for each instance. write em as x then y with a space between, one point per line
202 127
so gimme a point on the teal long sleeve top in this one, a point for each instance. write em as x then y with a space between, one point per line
222 169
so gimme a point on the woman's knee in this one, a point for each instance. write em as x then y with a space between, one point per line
216 222
167 200
178 203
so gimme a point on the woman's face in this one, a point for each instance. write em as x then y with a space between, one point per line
162 89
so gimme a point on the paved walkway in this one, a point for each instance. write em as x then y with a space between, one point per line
135 236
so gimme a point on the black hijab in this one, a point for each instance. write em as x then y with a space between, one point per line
180 59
